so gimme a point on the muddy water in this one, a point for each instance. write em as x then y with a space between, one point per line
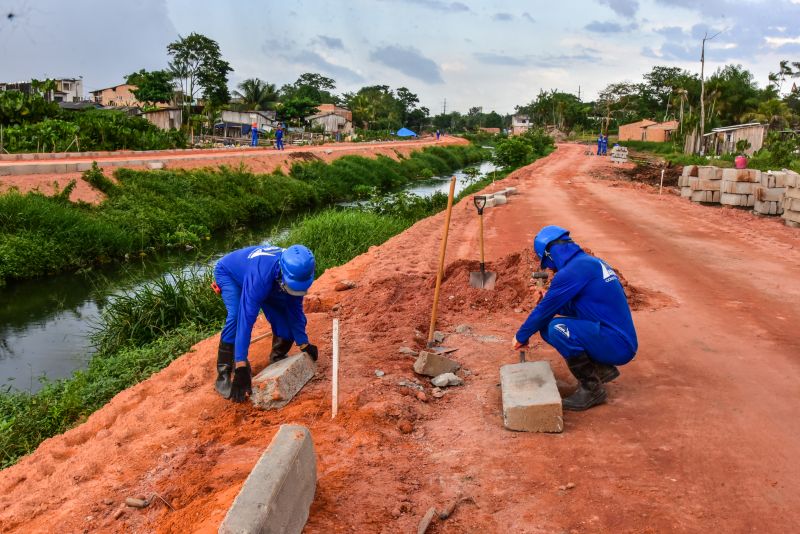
45 324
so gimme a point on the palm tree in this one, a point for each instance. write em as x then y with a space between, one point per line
257 95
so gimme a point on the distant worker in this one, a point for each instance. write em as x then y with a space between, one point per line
600 144
584 315
254 135
279 138
605 145
437 134
257 278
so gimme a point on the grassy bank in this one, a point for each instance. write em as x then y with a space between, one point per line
148 210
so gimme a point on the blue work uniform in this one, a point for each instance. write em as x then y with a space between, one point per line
594 314
248 281
279 139
600 145
605 145
254 137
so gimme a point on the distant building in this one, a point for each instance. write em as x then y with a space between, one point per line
239 123
333 119
635 131
67 89
723 140
165 119
489 130
520 124
118 96
661 132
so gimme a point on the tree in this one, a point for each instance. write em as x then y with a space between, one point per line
408 102
375 107
616 101
311 85
152 87
197 64
257 95
296 109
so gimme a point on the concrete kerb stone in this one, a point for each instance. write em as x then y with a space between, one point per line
276 386
499 200
432 364
277 495
531 402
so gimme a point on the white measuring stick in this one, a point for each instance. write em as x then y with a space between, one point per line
335 389
660 187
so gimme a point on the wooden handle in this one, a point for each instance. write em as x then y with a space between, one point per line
480 217
442 251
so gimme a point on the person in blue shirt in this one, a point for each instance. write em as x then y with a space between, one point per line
584 315
260 278
600 144
605 145
254 135
279 138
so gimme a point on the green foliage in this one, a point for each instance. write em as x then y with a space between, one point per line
564 110
295 109
98 180
19 108
779 152
152 87
197 64
651 146
256 95
312 86
520 150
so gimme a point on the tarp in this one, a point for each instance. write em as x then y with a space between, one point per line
405 132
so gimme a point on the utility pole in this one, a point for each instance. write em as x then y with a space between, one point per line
579 93
703 92
444 107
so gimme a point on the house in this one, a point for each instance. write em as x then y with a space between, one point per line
634 131
165 119
489 130
333 119
67 89
239 123
118 95
520 124
661 132
723 140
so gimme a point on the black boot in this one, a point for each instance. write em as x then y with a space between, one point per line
605 372
224 369
590 390
280 349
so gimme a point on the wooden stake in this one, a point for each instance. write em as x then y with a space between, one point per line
442 251
335 381
660 187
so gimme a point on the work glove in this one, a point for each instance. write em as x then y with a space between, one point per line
311 350
517 345
242 383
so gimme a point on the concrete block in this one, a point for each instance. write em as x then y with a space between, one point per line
510 191
792 192
741 175
708 172
780 178
490 203
702 196
531 402
764 207
155 165
277 495
791 204
732 199
499 200
715 197
83 167
768 179
792 179
768 194
276 385
689 170
683 180
686 192
736 188
791 215
701 184
433 364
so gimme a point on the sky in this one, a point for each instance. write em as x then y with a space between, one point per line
493 53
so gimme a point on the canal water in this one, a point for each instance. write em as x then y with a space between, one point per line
45 324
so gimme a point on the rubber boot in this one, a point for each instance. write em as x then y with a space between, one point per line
590 390
606 372
280 349
224 369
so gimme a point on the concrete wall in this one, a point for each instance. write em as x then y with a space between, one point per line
165 119
634 131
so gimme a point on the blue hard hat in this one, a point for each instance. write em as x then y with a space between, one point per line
547 235
297 269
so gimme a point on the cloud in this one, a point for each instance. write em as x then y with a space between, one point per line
491 58
527 16
409 61
503 17
437 5
544 60
334 43
625 8
316 61
610 27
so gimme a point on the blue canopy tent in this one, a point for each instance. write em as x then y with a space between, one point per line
405 132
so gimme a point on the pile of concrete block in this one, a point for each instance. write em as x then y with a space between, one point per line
769 193
738 187
704 186
791 199
689 172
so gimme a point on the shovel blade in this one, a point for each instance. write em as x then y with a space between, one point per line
483 280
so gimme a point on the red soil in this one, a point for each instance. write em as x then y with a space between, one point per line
699 434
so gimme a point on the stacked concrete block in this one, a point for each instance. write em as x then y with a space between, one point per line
738 187
689 171
791 199
705 186
769 193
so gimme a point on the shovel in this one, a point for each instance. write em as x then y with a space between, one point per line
483 279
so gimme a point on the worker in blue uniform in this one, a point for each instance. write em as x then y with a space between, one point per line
584 315
260 278
279 138
604 145
254 135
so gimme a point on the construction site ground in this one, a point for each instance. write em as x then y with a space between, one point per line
700 432
257 160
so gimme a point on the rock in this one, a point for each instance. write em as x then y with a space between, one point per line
344 285
446 379
421 396
562 488
396 513
405 426
433 364
411 385
438 337
407 350
438 393
195 432
108 502
570 485
463 329
379 373
517 310
119 513
136 503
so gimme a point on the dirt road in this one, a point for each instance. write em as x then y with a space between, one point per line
260 160
699 434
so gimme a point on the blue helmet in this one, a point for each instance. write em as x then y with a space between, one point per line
297 269
544 238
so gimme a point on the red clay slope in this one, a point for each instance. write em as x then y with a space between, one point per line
699 435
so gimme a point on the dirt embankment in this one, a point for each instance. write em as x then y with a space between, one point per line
264 160
686 442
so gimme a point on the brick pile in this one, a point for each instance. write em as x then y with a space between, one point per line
704 185
738 187
768 195
791 200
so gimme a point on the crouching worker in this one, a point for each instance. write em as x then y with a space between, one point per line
584 315
261 278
